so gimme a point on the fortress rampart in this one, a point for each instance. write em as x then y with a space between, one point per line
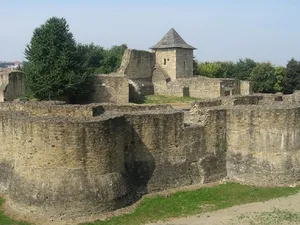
64 161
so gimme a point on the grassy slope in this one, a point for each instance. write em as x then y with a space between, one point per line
203 200
186 203
160 99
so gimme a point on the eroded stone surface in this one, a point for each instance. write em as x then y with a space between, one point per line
77 160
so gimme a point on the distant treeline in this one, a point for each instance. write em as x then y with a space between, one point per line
265 77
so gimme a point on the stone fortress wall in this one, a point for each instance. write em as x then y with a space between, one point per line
76 160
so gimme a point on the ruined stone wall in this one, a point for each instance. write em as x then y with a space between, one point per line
60 109
12 85
76 160
195 87
264 145
229 87
56 109
198 87
57 160
137 64
262 137
163 153
245 87
113 88
62 168
184 63
202 88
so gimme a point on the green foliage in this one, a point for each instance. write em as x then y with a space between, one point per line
280 73
239 70
216 69
90 56
112 59
243 69
194 202
292 81
263 78
97 60
195 67
53 69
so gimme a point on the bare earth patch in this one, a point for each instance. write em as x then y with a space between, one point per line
283 211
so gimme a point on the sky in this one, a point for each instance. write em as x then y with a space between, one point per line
221 30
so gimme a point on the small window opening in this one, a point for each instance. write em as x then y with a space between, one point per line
165 61
184 65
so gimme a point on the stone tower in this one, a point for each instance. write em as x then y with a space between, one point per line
174 55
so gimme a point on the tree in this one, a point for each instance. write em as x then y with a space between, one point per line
292 81
263 78
112 59
91 57
53 69
216 69
195 67
280 74
243 69
210 69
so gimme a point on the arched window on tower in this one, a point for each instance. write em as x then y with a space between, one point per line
165 61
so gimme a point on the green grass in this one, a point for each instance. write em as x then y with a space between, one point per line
4 220
160 99
194 202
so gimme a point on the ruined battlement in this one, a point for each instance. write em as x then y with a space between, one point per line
77 160
12 85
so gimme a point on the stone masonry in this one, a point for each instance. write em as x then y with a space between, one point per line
168 70
65 161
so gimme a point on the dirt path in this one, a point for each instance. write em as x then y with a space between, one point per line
283 211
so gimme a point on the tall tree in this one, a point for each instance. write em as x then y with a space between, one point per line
263 78
195 67
280 74
292 81
53 69
91 57
243 69
112 59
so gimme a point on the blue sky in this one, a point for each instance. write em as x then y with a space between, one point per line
264 30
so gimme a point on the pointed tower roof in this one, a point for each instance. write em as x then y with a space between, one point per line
172 40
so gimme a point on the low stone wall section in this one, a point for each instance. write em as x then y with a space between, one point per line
12 85
112 88
137 64
263 145
60 109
